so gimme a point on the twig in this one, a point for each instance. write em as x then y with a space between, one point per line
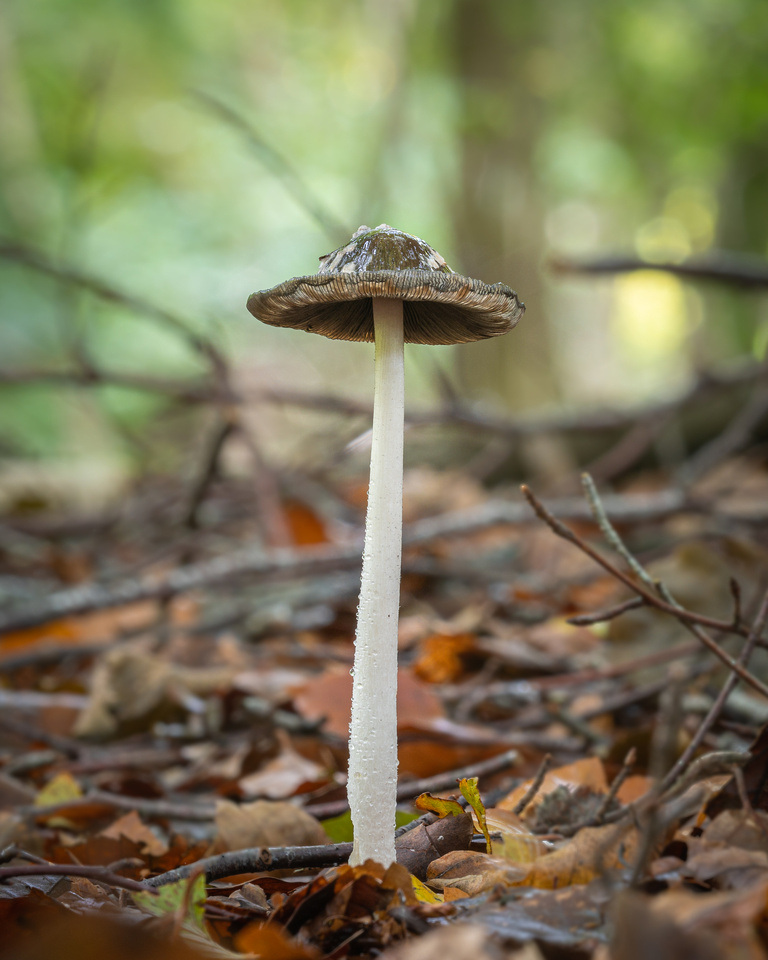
209 471
587 619
279 167
717 707
727 268
162 809
618 780
731 440
257 860
535 786
441 781
35 260
99 874
256 562
691 620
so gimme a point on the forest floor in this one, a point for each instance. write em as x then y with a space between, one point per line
589 672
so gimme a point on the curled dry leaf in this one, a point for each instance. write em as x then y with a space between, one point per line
587 855
130 686
283 776
418 848
516 844
264 823
473 872
132 827
679 923
329 696
456 942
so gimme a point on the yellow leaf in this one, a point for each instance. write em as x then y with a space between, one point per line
439 805
517 843
423 893
184 896
468 787
61 789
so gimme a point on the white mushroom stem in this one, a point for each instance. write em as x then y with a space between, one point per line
372 782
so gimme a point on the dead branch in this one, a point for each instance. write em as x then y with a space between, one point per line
725 268
98 874
35 260
285 562
257 860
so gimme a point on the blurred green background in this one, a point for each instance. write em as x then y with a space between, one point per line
502 133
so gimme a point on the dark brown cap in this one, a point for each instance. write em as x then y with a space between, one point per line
440 306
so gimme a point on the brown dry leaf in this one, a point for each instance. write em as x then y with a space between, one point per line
418 848
588 773
133 828
679 923
284 775
587 855
305 527
265 823
269 941
473 872
333 905
98 851
456 942
442 658
729 868
94 938
329 695
130 686
740 828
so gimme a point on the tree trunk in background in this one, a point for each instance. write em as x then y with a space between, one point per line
497 216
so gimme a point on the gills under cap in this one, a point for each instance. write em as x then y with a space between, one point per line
439 306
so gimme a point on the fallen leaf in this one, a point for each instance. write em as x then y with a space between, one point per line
516 843
329 696
468 787
62 788
428 841
269 941
265 823
588 772
440 805
473 872
442 658
285 775
133 828
587 855
456 942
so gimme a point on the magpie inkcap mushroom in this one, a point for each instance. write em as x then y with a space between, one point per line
389 287
439 306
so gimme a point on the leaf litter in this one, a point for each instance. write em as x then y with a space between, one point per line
212 723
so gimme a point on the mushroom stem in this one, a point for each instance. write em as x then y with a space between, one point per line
372 780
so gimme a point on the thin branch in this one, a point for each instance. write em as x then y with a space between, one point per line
288 562
726 268
535 786
588 619
279 167
693 621
717 707
257 860
33 259
99 874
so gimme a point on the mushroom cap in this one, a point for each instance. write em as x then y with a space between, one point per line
439 306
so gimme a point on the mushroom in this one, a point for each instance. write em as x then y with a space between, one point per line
388 287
